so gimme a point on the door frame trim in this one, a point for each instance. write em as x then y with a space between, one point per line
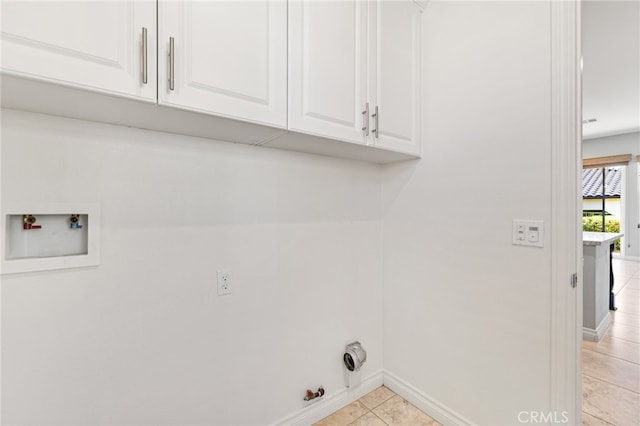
566 235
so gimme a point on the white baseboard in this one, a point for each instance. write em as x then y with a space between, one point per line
595 335
433 408
333 402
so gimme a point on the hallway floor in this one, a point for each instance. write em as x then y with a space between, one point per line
379 408
611 367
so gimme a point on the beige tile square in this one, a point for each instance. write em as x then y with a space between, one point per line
623 273
627 304
613 370
368 419
398 412
377 397
621 280
624 332
623 349
629 294
589 420
628 308
626 319
344 416
629 266
633 283
610 403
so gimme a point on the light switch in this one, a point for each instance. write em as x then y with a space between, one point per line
528 233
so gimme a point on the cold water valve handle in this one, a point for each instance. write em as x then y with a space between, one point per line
74 221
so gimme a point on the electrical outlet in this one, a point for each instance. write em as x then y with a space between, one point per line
225 282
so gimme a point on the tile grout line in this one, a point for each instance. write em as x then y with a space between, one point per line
630 325
599 418
611 383
611 356
630 288
628 341
370 410
615 338
635 314
627 301
382 420
626 325
608 334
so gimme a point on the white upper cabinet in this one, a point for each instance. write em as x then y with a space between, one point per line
327 68
227 58
349 59
96 45
339 78
395 58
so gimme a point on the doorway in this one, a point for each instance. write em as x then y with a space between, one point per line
611 139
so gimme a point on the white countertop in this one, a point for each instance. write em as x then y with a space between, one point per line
599 238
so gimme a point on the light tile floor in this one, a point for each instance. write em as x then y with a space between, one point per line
611 367
379 408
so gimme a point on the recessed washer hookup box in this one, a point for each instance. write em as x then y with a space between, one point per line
48 236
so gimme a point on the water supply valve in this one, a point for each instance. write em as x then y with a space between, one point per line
313 395
74 221
28 221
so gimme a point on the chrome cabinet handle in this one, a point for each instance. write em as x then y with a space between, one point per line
365 120
171 64
376 117
145 64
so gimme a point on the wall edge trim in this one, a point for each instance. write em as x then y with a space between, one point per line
565 376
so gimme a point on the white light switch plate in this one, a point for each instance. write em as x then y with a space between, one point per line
528 233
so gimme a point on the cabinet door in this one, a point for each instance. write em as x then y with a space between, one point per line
395 74
96 45
327 68
229 58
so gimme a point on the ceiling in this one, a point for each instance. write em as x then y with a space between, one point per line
611 67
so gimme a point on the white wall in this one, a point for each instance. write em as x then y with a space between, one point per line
466 314
623 144
143 339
